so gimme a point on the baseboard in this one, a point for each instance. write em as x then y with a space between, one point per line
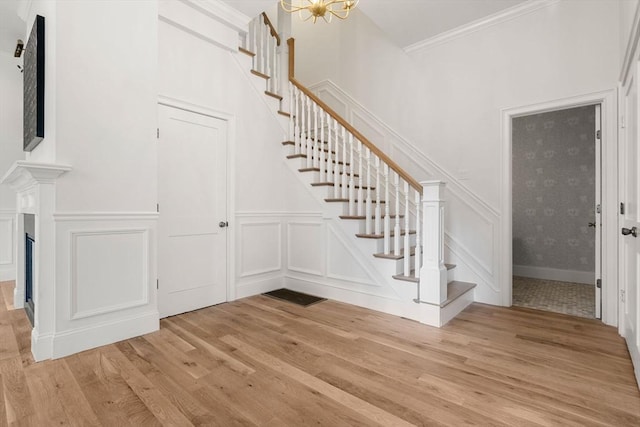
74 341
544 273
259 287
401 308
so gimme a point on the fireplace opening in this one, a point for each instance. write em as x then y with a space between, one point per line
29 244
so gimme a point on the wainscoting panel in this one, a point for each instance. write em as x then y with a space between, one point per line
260 248
105 279
7 245
109 271
306 247
341 264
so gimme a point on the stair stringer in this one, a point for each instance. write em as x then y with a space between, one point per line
386 295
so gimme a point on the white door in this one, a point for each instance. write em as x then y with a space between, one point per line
598 214
192 187
630 220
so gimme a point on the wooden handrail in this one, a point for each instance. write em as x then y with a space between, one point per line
268 23
375 150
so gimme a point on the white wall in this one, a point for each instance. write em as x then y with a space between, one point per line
628 9
10 151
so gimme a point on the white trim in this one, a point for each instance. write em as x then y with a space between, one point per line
481 24
545 273
609 193
105 216
80 339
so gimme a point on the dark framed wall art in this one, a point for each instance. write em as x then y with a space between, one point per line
33 87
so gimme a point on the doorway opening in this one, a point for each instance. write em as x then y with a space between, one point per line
556 206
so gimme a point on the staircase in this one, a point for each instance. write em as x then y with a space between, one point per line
391 216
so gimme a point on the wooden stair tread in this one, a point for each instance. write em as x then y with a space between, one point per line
456 289
359 217
273 95
326 150
318 170
284 113
381 236
331 184
412 251
330 200
259 74
304 156
246 52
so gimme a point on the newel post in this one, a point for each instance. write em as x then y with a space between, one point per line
433 274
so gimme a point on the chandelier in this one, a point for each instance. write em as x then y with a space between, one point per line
314 9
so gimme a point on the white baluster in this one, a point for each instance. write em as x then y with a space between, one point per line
292 118
387 216
316 143
336 165
407 246
396 229
275 79
368 222
267 53
309 146
352 189
324 166
345 156
378 208
296 119
264 39
360 194
301 120
418 255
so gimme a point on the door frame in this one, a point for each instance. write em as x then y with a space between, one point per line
609 106
231 184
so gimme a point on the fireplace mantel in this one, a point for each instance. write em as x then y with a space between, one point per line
35 185
23 175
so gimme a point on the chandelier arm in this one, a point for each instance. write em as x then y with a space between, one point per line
336 14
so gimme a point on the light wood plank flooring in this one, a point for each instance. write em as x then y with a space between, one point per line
259 361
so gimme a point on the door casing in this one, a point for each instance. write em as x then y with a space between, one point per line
608 102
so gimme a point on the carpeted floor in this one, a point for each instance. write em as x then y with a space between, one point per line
575 299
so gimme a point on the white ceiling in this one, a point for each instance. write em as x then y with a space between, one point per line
12 28
408 21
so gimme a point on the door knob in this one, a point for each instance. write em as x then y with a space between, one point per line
223 224
592 224
633 231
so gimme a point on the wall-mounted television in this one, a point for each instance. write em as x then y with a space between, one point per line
33 87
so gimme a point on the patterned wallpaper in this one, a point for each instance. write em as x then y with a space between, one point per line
554 189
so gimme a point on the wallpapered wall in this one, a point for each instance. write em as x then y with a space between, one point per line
554 189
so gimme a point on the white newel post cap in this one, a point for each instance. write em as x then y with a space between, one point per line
432 191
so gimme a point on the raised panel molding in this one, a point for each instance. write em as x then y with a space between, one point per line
109 271
305 247
260 248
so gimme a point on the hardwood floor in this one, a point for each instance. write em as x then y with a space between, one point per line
259 361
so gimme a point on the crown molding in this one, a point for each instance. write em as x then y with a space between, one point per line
481 24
